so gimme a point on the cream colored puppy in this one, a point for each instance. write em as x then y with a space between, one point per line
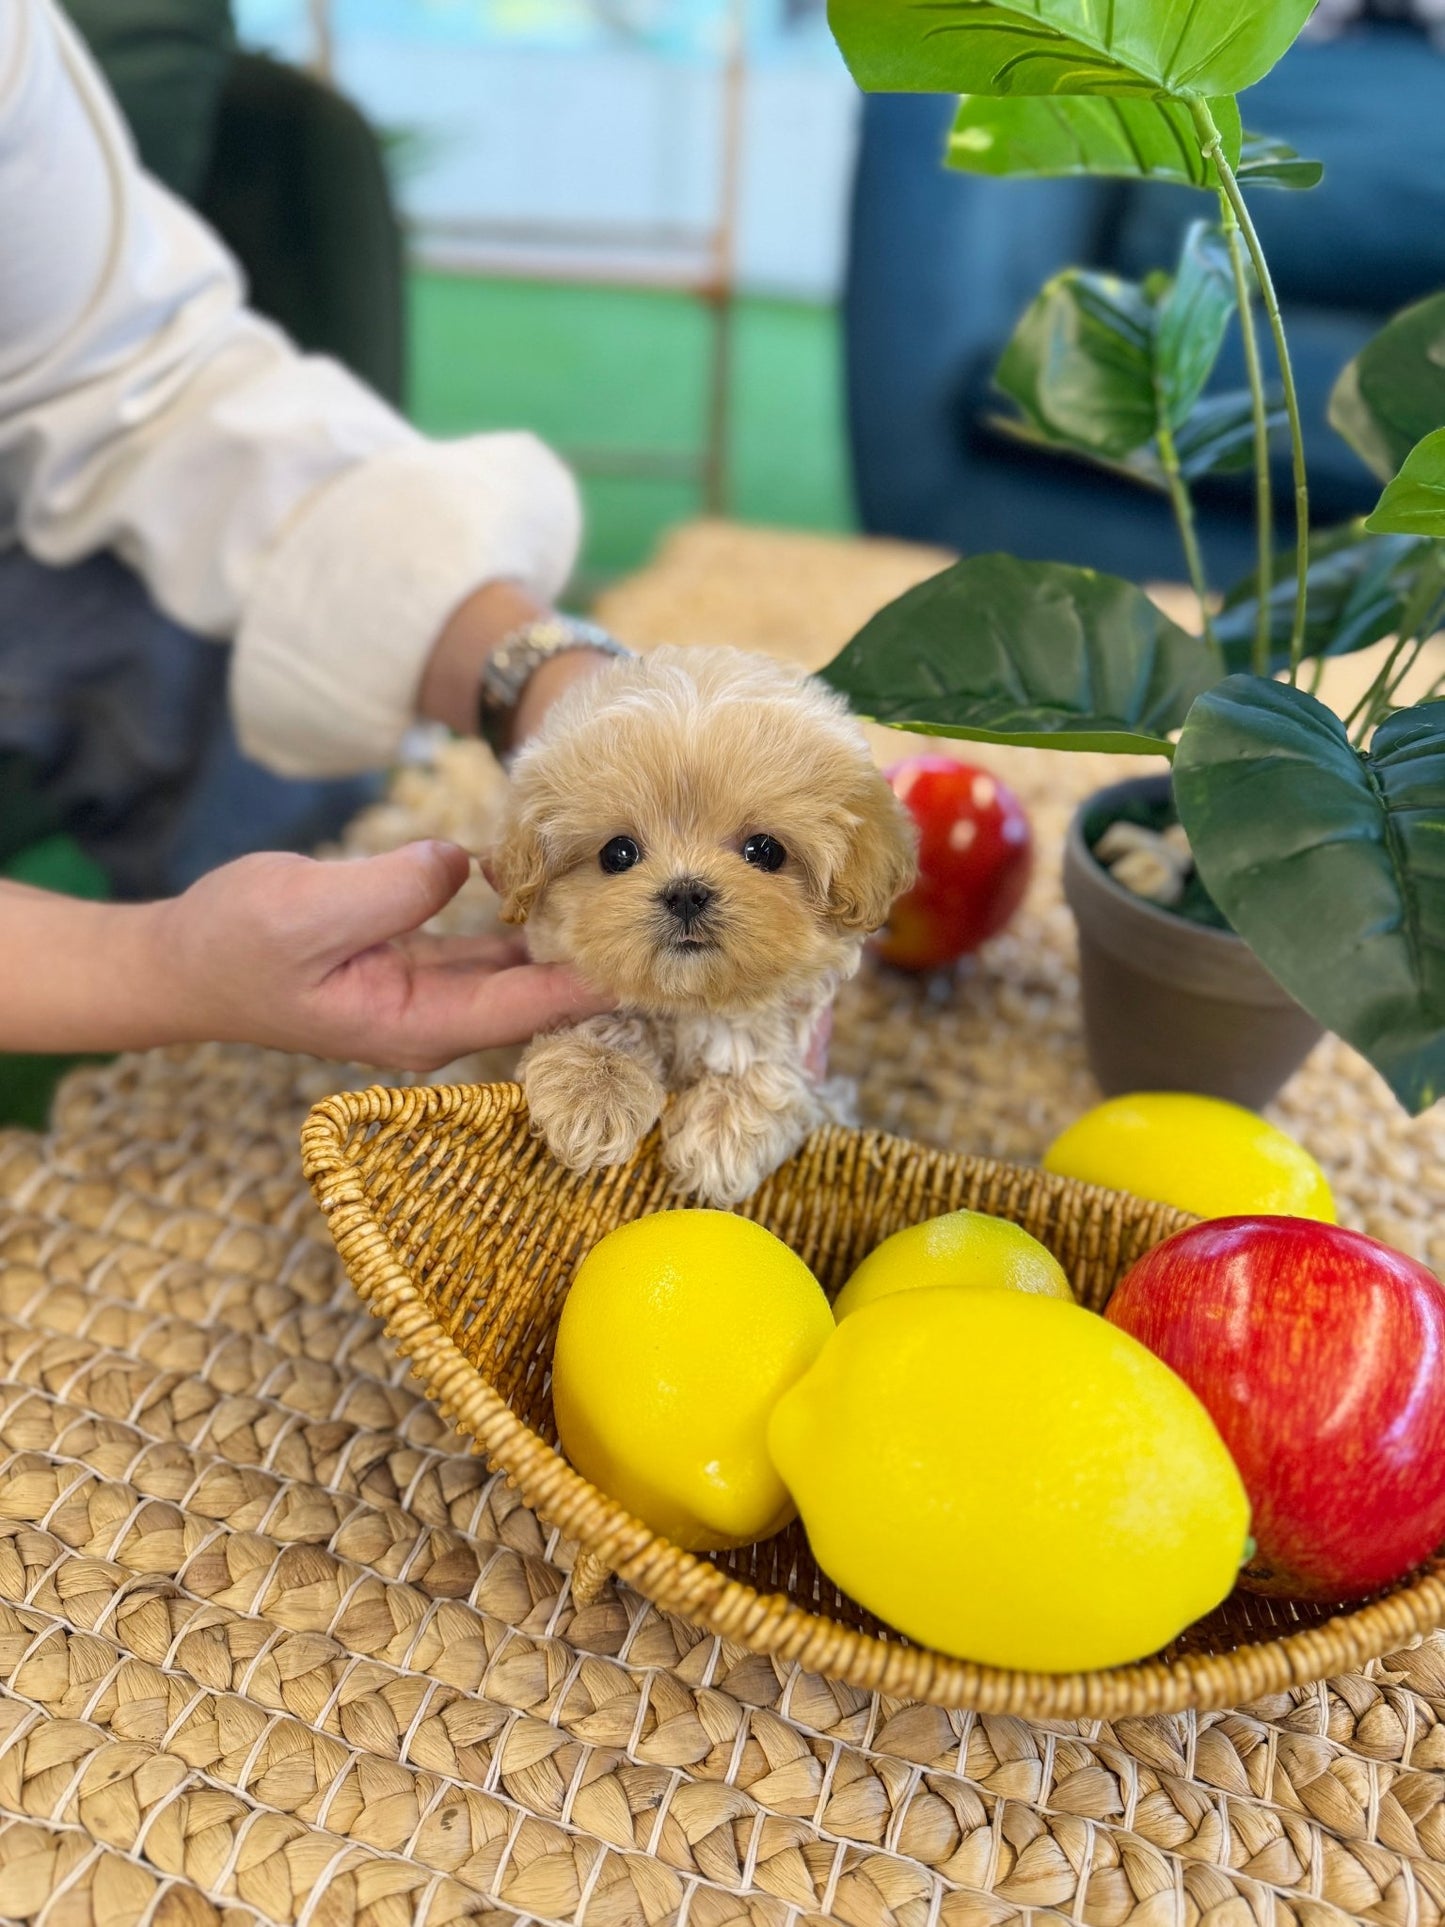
702 833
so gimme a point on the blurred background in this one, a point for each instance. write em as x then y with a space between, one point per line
668 236
623 222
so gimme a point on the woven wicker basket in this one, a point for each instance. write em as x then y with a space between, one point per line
461 1232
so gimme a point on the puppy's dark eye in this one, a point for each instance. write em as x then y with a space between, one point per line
619 855
765 852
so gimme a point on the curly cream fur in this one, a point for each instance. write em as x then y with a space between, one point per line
689 753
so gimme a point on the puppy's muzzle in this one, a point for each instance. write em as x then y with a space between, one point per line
687 901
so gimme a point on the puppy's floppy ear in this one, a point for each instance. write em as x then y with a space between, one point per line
518 869
881 859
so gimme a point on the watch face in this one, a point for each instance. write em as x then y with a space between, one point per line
509 668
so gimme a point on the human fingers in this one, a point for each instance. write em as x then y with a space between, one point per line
450 1012
368 900
488 950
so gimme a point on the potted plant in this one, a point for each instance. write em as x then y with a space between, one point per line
1321 839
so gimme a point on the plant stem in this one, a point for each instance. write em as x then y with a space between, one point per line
1414 634
1212 149
1387 694
1364 708
1263 489
1376 701
1184 515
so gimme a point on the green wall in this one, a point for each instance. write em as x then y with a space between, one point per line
624 369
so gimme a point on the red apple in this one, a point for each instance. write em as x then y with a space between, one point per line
974 857
1320 1355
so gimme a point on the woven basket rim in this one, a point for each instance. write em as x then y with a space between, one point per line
682 1583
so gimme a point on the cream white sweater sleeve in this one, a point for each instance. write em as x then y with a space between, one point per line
262 495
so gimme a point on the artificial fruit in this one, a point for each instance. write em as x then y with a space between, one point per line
1320 1354
962 1249
1199 1154
975 853
680 1331
1009 1479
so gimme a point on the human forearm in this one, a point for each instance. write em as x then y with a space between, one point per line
281 951
450 685
83 976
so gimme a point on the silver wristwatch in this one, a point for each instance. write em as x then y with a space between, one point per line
512 663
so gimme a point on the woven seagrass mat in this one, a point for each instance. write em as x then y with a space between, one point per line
272 1649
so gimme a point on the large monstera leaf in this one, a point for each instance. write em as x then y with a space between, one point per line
1005 651
1105 367
1329 863
1359 587
1120 47
1050 136
1393 393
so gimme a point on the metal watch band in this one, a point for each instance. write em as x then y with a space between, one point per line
511 664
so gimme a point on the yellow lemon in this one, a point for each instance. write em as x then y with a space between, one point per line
961 1248
995 1475
1197 1153
678 1335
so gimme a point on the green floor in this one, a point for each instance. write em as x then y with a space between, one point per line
590 367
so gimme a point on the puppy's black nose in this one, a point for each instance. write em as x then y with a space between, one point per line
686 898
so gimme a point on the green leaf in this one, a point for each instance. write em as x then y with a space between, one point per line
1359 585
1191 319
999 650
1045 137
1414 503
1266 162
1329 863
1080 363
1097 365
1393 393
1218 437
1205 47
1212 440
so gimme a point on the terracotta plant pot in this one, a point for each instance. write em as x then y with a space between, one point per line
1169 1004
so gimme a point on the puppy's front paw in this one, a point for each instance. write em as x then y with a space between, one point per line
724 1135
593 1105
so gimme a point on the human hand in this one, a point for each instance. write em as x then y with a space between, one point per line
327 958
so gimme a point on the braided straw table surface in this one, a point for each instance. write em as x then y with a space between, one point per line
273 1649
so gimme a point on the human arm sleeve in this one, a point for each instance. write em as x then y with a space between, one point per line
261 494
